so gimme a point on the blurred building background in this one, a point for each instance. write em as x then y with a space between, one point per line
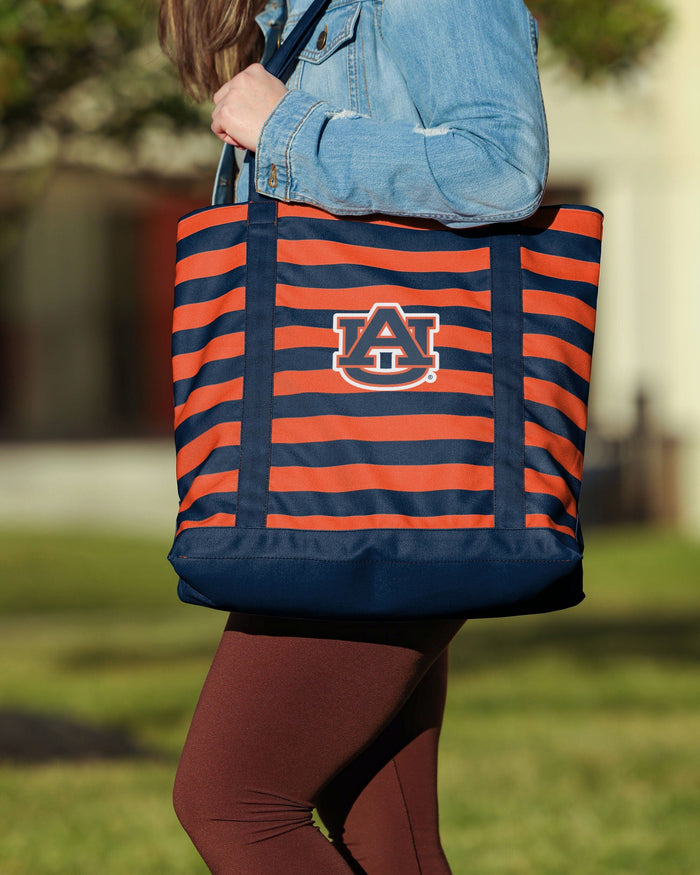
86 286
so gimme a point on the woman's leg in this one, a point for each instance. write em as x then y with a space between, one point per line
382 810
286 707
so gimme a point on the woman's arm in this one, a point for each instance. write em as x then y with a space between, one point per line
479 156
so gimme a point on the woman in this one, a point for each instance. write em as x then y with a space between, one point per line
413 109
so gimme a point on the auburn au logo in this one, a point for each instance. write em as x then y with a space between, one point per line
386 348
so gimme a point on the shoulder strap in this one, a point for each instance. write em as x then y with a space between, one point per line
280 65
283 60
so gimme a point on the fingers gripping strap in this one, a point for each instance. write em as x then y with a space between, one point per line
280 65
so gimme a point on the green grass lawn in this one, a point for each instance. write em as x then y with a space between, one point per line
571 741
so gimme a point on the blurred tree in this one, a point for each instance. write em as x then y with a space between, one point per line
599 38
90 67
86 79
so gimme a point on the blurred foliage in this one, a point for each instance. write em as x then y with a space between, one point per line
93 69
570 742
598 38
85 66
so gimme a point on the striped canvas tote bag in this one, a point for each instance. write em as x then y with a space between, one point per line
378 418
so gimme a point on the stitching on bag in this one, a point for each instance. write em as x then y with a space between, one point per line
496 441
272 373
245 368
522 378
430 562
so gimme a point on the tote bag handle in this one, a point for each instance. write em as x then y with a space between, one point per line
280 65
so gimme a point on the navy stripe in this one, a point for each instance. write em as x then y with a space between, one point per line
580 290
554 420
321 358
363 234
466 317
258 377
454 359
208 288
541 502
222 458
198 423
193 339
310 358
212 238
331 453
555 372
397 403
506 304
208 505
372 501
564 244
540 460
208 375
347 276
559 326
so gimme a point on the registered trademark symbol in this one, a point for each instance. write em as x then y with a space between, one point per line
431 377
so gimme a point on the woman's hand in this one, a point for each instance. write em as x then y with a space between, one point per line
243 104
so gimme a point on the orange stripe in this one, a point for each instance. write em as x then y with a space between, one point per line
544 392
203 313
549 484
559 447
330 382
218 519
575 221
541 520
298 337
453 336
395 478
316 252
458 337
559 267
301 211
210 263
225 346
548 347
206 484
554 304
197 450
558 218
211 218
361 299
207 397
378 521
312 429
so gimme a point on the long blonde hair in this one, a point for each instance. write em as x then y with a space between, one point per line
209 40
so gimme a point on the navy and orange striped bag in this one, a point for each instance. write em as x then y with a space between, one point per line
381 418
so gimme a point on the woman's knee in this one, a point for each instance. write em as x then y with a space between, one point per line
219 809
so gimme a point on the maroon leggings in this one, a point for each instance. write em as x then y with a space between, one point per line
343 717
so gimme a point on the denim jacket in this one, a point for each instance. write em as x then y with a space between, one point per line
417 108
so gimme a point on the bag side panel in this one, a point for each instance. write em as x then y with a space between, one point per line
208 354
561 265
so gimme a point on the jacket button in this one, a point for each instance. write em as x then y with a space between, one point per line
322 37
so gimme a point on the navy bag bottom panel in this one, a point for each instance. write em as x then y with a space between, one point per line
378 575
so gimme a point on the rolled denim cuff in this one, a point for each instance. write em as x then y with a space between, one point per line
273 175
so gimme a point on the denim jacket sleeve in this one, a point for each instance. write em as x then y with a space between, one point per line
479 151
